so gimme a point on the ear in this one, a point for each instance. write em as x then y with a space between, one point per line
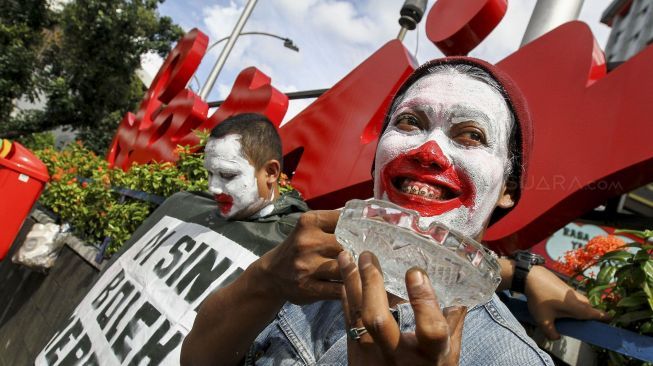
272 171
506 198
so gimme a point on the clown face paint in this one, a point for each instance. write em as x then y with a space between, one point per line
232 178
445 151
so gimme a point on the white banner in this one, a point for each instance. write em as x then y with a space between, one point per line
142 307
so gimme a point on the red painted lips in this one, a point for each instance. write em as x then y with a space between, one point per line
225 202
424 180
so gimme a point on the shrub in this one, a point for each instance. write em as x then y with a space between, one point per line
82 190
623 287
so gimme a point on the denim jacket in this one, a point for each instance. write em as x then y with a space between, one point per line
315 335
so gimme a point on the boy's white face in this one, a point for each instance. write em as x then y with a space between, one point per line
232 178
445 152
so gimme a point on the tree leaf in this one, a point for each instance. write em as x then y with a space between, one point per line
647 267
641 256
618 255
634 316
637 299
646 327
599 289
605 274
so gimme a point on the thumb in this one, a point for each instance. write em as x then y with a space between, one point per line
549 329
455 318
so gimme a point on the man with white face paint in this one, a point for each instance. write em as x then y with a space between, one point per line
243 160
445 151
455 148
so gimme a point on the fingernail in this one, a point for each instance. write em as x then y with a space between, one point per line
365 260
416 276
344 259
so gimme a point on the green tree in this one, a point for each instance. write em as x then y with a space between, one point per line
21 33
88 70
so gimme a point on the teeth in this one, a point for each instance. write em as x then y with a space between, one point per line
421 189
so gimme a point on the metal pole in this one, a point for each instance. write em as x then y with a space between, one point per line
210 81
549 14
402 33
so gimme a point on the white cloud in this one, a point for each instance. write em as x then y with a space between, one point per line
341 19
220 20
335 36
295 9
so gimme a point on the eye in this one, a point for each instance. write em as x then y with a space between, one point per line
408 122
227 175
469 136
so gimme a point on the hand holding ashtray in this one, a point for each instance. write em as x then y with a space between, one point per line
462 271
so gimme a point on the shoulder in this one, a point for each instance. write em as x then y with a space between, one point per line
492 334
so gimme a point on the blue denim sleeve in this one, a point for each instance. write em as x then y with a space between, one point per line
315 335
491 337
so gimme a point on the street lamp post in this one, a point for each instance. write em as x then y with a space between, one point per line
287 42
227 49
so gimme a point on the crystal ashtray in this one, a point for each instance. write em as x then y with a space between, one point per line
462 271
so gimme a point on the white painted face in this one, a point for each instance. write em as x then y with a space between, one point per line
445 151
232 178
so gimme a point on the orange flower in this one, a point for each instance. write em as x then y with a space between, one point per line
179 149
577 260
84 184
283 180
99 169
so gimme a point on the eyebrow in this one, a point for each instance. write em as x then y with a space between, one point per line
454 111
221 164
464 111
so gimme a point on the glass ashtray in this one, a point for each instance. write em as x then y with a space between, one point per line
462 271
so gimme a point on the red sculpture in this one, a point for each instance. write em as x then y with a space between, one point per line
457 27
583 152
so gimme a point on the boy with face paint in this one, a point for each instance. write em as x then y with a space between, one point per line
455 148
243 160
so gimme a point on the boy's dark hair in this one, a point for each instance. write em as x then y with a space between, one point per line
259 138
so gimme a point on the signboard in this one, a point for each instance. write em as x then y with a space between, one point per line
143 306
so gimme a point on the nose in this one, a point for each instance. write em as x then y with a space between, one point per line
430 155
214 188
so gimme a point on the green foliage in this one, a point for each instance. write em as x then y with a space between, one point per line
21 25
87 70
38 141
624 289
94 208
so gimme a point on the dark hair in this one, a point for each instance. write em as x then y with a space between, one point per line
259 138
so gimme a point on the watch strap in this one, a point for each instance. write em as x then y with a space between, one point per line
519 276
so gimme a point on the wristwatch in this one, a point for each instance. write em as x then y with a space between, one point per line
524 260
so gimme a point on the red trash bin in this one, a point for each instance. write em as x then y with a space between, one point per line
22 178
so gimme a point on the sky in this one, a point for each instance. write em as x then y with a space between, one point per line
333 37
